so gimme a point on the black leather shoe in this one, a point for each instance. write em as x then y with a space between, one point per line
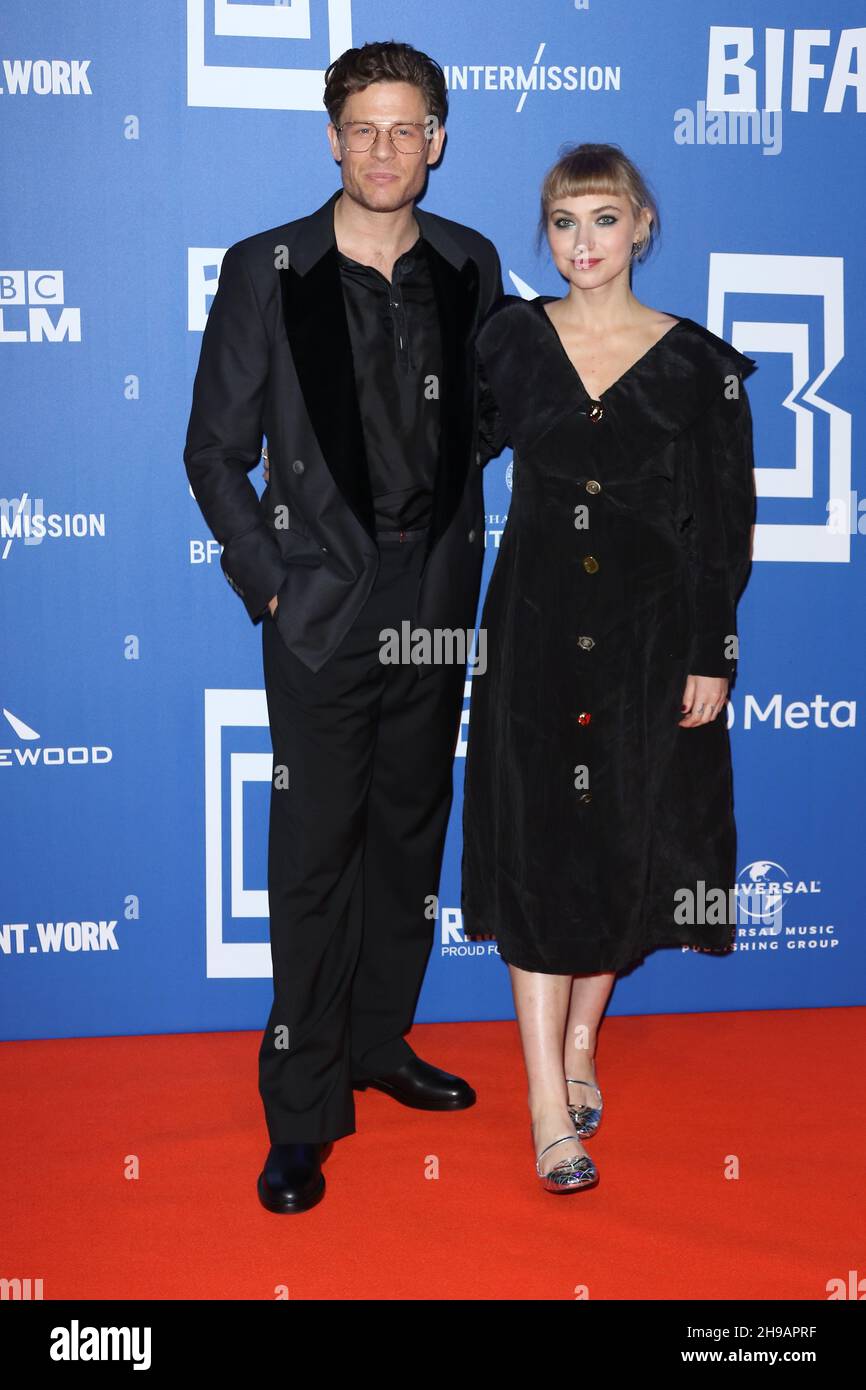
292 1178
422 1086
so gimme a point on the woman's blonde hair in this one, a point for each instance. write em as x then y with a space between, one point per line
599 169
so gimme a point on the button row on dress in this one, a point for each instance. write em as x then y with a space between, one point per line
591 566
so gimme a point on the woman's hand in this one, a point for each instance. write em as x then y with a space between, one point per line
703 698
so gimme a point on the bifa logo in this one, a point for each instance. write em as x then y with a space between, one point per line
802 70
238 774
807 334
32 308
203 265
31 752
463 731
293 46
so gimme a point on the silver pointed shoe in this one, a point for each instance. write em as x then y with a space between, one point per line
571 1174
586 1117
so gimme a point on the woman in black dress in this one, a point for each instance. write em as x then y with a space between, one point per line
598 813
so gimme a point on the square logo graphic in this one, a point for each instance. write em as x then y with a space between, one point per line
263 56
811 357
238 768
202 279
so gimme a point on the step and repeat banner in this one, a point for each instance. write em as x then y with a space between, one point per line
139 141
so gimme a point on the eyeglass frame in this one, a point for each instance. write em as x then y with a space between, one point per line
384 125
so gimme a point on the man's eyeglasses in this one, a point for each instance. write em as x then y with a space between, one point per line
406 137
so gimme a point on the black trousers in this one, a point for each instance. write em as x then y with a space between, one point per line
360 799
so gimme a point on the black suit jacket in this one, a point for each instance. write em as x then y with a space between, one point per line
276 360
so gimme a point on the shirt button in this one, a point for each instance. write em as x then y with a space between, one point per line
586 642
592 486
297 466
590 564
471 536
584 717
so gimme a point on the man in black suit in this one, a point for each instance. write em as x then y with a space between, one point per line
347 338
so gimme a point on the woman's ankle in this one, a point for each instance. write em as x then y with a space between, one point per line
580 1065
544 1102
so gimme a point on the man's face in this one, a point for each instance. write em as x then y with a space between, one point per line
381 178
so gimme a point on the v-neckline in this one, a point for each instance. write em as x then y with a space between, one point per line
543 299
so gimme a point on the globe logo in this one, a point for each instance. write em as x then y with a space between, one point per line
759 895
508 474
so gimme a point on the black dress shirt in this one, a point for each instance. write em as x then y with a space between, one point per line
396 347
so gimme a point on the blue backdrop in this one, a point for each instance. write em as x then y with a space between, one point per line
139 142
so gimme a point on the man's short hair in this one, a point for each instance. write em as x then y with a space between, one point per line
358 68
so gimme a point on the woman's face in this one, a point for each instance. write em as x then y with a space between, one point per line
591 236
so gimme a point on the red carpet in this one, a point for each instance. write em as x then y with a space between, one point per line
781 1092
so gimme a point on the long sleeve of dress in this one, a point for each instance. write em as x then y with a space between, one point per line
492 432
724 504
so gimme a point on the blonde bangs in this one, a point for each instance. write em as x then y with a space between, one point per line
598 169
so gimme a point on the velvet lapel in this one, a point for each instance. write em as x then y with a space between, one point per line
318 333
